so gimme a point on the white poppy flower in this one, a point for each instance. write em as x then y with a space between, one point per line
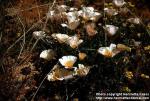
58 73
119 3
53 77
48 54
68 61
88 9
88 13
74 41
134 20
110 11
110 51
39 34
73 20
111 29
72 16
96 16
71 25
62 38
82 70
80 12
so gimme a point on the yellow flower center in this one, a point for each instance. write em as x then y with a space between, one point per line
108 53
73 46
69 64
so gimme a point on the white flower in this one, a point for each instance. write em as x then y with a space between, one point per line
39 34
88 13
82 70
72 16
134 20
62 38
48 54
111 29
88 9
113 50
58 73
68 61
110 11
74 41
96 16
110 51
53 77
71 25
80 12
73 20
119 3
